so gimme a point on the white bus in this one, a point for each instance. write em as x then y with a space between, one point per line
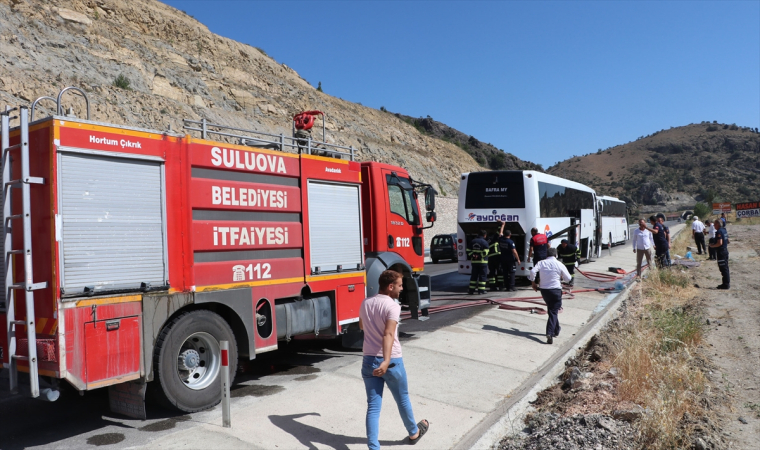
614 221
524 199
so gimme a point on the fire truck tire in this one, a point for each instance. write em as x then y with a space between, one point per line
187 360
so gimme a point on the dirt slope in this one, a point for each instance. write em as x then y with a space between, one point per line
178 69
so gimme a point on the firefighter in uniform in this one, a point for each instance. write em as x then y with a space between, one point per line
509 258
569 254
494 263
478 253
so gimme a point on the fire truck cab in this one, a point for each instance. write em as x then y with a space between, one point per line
132 253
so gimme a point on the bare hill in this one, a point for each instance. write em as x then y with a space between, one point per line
675 167
176 68
486 154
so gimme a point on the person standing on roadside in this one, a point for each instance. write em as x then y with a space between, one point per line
723 220
569 254
721 253
660 241
711 236
509 258
495 277
550 271
382 363
642 245
698 233
538 246
661 221
478 253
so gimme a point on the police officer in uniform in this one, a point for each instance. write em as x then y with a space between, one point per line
509 258
478 253
721 252
538 246
569 253
494 263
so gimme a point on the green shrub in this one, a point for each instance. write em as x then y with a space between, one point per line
122 82
702 210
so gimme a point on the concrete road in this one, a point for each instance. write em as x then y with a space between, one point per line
310 394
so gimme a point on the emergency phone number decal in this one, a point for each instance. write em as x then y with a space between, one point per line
227 272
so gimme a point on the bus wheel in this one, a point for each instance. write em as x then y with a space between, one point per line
187 360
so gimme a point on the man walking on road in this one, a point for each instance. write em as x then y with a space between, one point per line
642 245
721 252
478 253
698 232
550 272
382 364
569 254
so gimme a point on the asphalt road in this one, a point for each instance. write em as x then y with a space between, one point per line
76 421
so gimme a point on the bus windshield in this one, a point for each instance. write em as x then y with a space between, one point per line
495 190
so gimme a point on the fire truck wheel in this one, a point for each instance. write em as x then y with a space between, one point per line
187 360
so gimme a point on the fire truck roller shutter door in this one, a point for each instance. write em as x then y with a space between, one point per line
113 223
335 232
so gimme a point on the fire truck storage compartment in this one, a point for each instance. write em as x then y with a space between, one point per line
112 223
307 316
112 349
335 232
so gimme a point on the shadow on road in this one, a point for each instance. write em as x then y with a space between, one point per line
309 435
516 332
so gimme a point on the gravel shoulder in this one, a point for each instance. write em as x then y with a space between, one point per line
586 410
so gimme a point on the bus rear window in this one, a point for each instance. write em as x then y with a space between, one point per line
495 190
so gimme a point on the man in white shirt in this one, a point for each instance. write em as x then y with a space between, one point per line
698 232
643 242
550 272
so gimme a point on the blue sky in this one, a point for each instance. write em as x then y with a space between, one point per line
542 80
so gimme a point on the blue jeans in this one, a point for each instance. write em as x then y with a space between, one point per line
395 378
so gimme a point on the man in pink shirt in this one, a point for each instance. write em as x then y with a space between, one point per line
382 364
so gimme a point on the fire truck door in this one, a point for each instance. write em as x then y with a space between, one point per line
403 215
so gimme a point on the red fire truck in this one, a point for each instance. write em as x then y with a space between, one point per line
132 253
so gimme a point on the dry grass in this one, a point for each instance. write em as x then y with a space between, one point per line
654 356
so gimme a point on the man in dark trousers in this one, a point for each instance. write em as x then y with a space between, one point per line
478 253
494 262
721 252
660 241
698 232
551 272
509 258
538 246
569 254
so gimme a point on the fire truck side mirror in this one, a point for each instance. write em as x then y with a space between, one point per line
430 201
431 216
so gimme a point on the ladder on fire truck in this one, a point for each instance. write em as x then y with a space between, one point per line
28 286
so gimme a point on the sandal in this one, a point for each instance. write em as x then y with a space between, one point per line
423 426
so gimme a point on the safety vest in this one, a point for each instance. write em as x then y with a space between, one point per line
478 251
494 249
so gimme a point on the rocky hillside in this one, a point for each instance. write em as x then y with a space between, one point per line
149 65
485 154
676 167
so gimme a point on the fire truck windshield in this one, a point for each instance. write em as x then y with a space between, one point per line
402 200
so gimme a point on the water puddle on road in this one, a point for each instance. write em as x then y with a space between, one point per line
166 424
255 390
306 378
105 439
